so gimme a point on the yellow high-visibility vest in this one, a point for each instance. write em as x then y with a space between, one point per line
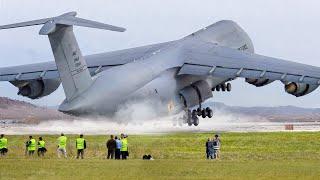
42 144
80 143
3 143
124 144
62 142
32 145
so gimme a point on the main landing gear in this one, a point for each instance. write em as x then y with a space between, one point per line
192 116
222 87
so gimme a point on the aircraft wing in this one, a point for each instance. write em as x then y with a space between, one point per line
208 59
96 63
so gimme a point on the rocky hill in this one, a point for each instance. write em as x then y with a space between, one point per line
23 112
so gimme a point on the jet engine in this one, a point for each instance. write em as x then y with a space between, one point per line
35 89
195 94
299 89
258 82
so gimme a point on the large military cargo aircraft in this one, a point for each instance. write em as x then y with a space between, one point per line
181 74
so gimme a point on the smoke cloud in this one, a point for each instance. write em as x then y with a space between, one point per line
140 117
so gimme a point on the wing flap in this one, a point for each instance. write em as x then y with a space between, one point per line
231 73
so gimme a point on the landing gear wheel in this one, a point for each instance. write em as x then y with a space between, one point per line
218 88
228 87
194 113
210 113
196 121
199 112
204 113
189 118
223 87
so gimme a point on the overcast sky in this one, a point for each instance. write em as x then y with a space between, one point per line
288 29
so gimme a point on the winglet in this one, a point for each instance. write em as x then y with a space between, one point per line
68 19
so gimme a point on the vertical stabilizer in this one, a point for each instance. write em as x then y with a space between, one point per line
72 67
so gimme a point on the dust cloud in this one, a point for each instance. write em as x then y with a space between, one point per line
144 117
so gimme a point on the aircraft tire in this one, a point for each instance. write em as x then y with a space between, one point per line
199 112
196 121
210 113
204 113
229 87
194 113
223 87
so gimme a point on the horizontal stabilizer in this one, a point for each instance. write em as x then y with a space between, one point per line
28 23
67 19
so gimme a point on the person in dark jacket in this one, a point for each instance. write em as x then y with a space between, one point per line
209 149
111 146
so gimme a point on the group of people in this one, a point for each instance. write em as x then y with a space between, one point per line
31 146
213 147
117 147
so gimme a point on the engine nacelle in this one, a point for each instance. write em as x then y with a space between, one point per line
35 89
259 82
299 89
196 93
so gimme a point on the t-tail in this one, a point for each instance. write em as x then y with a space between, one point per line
72 67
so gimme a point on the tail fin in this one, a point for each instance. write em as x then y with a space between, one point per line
72 67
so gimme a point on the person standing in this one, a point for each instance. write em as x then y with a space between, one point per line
209 146
3 145
31 146
111 146
118 147
41 147
124 146
62 144
216 147
81 146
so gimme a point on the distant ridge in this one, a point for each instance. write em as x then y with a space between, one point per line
275 114
24 112
17 111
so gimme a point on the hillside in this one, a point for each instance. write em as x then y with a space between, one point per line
23 112
273 114
15 111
